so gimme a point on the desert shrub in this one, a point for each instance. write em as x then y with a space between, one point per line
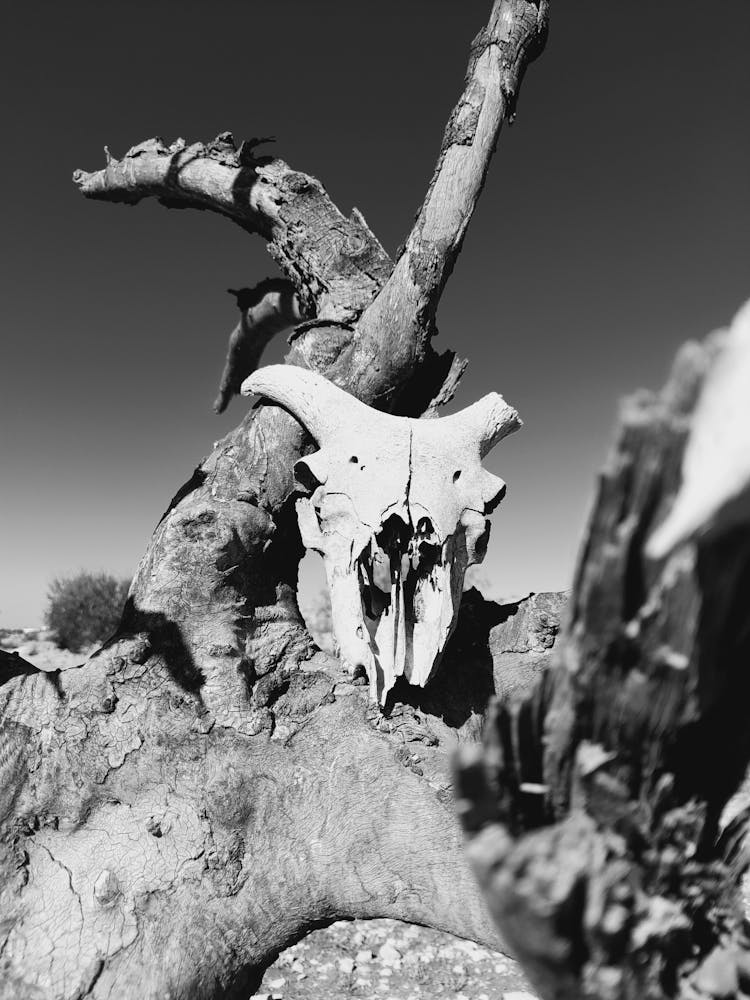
85 608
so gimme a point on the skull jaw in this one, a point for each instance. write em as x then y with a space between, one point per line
395 593
401 633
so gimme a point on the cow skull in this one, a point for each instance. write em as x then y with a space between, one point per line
397 508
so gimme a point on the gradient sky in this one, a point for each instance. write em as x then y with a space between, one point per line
614 225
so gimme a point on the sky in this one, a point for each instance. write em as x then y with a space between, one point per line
614 225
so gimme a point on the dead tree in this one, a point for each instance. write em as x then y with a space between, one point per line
209 787
594 811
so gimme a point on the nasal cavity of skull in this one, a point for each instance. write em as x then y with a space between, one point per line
355 461
401 558
380 566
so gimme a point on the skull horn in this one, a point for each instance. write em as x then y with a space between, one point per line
318 404
485 422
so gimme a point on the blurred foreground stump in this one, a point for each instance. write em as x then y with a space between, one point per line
593 809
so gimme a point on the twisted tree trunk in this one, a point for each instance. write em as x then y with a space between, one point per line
209 786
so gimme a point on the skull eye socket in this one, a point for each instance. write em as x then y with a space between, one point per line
305 476
456 475
354 460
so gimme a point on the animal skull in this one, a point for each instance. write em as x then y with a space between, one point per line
397 509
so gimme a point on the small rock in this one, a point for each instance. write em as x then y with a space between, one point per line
471 948
518 995
276 984
106 887
364 956
717 975
297 966
389 954
459 969
346 965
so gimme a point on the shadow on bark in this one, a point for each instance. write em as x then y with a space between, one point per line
161 637
497 648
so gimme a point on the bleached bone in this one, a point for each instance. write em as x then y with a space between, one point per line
397 509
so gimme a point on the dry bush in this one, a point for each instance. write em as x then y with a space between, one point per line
85 608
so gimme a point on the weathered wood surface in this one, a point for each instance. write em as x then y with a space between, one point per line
152 849
593 811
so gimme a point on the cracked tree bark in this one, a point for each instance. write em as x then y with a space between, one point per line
208 787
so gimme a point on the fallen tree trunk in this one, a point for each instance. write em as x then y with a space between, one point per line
208 787
153 849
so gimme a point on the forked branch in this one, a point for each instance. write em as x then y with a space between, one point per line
336 264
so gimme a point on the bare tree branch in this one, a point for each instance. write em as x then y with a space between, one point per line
335 263
514 36
448 389
268 308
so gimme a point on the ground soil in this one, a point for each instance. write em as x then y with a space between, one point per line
388 960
